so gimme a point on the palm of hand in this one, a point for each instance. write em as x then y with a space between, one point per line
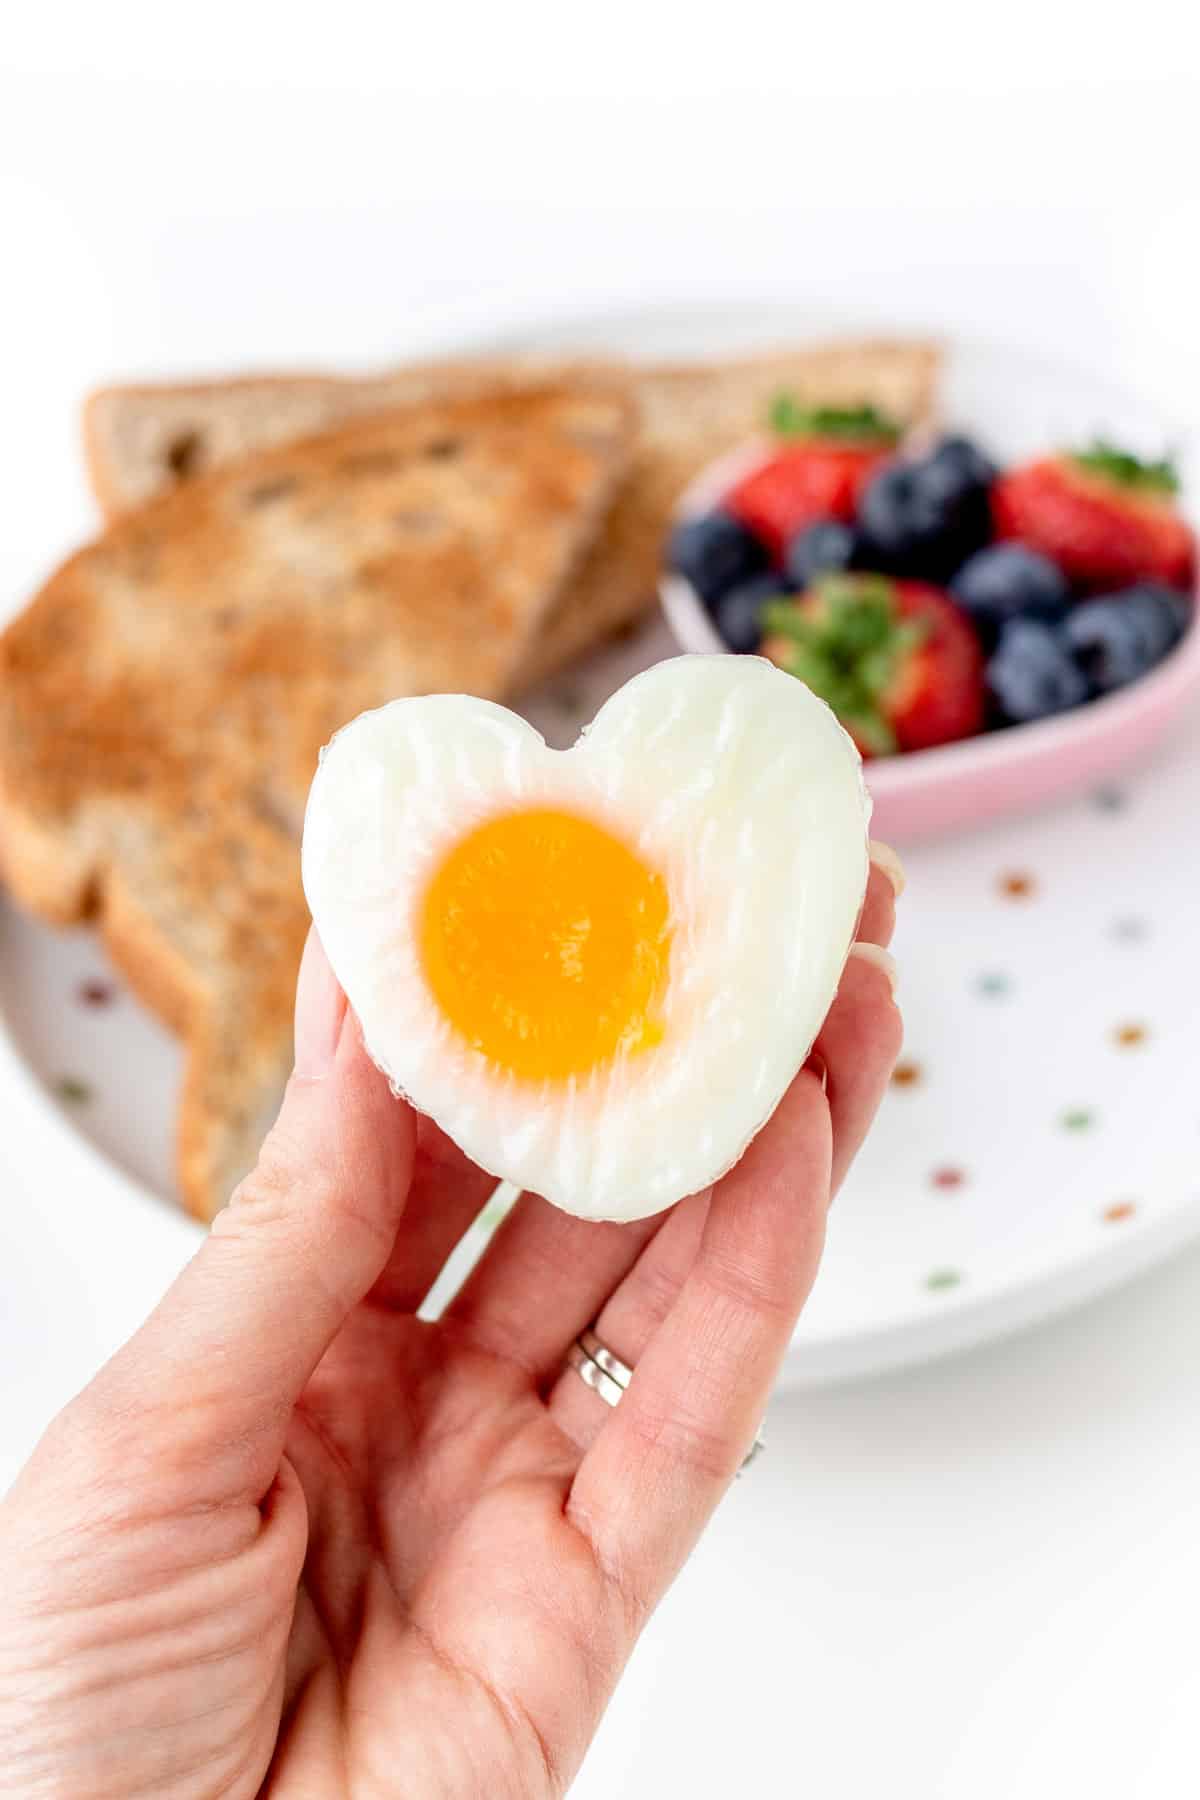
443 1567
397 1618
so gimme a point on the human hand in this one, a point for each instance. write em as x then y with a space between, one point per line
294 1540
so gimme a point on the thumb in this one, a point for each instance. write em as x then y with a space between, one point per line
211 1378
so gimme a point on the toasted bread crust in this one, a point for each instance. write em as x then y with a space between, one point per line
140 439
120 424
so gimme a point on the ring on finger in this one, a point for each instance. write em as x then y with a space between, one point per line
602 1370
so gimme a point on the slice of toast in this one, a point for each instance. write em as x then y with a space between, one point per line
142 439
164 697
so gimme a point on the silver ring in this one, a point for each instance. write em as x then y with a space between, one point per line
605 1359
602 1370
593 1376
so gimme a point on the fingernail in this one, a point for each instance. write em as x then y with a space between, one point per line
879 959
816 1065
320 1011
889 864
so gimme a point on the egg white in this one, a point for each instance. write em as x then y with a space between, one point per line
727 776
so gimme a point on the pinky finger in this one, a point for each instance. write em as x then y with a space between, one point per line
858 1044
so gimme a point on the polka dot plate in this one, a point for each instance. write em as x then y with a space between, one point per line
1041 1137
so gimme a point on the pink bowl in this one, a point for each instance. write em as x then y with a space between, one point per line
928 792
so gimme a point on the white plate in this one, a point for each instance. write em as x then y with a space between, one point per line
1037 1156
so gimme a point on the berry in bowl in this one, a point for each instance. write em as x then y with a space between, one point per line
991 634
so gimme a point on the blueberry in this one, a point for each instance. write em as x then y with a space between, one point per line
737 614
1117 637
826 546
925 516
1031 675
1009 581
1162 613
715 552
965 459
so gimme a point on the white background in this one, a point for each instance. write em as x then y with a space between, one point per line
971 1582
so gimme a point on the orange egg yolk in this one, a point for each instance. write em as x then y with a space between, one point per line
545 942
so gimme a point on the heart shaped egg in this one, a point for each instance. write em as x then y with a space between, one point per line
597 969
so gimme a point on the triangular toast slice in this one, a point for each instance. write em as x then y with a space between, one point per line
164 697
141 439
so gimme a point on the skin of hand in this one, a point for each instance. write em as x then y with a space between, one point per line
293 1540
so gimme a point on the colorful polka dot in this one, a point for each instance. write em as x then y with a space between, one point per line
95 993
1077 1118
938 1281
1017 885
993 985
1129 1036
74 1092
1118 1212
907 1075
948 1177
1110 799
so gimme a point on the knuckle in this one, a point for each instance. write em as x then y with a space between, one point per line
270 1191
743 1287
683 1437
286 1187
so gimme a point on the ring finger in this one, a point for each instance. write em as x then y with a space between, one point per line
858 1047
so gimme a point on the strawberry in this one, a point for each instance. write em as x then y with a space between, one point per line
896 660
826 458
1105 517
